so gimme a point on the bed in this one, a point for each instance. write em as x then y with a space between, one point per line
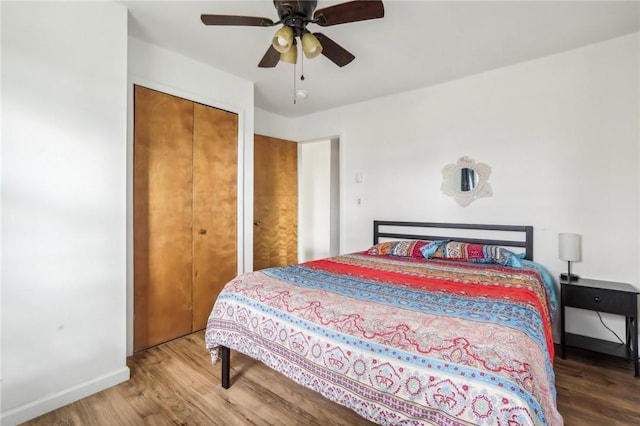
460 337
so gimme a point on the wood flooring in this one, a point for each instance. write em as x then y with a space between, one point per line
175 384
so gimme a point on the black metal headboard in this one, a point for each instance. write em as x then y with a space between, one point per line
527 243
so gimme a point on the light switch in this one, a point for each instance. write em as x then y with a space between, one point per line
359 178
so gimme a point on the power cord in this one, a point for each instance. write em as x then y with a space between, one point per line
605 326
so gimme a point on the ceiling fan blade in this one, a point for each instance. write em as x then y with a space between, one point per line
270 58
249 21
332 50
352 11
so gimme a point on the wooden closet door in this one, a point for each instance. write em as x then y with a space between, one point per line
215 208
163 132
275 202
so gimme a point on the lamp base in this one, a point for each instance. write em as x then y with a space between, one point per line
569 277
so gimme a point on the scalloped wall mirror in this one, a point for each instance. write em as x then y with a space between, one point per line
466 180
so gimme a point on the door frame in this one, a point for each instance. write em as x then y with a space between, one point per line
245 155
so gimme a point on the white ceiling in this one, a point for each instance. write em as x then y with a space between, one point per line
416 44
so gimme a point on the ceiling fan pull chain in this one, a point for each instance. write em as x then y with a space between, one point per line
302 68
294 82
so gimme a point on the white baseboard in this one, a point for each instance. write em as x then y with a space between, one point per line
41 406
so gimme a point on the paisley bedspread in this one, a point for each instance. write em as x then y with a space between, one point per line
401 340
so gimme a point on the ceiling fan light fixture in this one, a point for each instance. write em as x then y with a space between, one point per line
294 16
291 55
311 46
283 39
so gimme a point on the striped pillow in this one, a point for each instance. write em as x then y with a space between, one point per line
412 248
476 253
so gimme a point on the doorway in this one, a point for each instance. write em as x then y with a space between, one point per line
319 217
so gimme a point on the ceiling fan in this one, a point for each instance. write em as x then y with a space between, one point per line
294 17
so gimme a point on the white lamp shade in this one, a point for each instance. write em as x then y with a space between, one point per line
569 247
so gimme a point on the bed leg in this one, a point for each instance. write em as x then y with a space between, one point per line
225 366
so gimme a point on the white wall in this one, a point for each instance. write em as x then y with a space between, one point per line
64 75
169 72
334 199
269 124
562 137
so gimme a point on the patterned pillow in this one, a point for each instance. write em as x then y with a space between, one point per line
476 253
400 248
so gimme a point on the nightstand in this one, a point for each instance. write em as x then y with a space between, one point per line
602 296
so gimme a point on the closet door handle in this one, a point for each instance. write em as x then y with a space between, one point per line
202 231
257 223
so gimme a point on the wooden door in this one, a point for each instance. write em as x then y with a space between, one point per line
163 132
185 213
215 211
275 202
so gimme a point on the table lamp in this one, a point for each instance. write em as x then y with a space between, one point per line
569 251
